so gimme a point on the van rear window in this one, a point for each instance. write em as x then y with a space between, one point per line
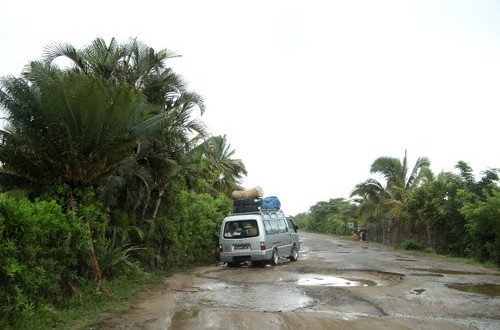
241 229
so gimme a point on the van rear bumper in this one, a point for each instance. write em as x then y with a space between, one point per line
245 256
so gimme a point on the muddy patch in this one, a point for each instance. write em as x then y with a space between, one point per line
488 289
417 291
427 274
445 271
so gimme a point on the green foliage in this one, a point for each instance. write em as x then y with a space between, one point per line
389 201
107 144
331 217
412 245
435 214
483 226
303 220
56 131
40 252
185 233
89 307
191 229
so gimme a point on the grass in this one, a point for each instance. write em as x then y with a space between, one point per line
91 307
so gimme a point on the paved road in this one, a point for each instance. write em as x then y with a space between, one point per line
335 284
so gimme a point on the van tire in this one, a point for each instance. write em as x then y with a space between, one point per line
295 254
275 258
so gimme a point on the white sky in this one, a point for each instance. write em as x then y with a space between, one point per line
309 93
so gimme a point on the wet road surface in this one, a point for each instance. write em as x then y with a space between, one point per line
335 284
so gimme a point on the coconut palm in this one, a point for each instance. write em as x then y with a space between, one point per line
227 172
390 200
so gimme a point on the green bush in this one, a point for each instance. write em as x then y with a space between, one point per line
40 251
188 234
412 245
483 228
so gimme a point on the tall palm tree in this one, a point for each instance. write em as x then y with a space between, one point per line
390 200
145 69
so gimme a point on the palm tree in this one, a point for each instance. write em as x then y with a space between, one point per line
227 172
145 69
390 200
57 132
133 62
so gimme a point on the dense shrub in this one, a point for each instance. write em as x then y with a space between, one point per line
412 245
40 253
483 226
188 234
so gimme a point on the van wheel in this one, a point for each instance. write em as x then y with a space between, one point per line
295 254
275 258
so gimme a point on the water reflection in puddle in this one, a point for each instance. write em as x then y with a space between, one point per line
492 290
324 280
259 297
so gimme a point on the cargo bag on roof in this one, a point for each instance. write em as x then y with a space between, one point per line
247 205
271 203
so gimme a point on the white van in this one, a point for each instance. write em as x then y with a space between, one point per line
261 237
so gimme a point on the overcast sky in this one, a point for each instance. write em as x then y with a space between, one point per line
309 93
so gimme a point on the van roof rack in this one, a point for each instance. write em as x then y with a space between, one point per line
262 211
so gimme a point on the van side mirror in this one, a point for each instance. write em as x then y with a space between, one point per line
295 227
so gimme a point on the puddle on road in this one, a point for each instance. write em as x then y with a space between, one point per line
492 290
271 298
324 280
346 278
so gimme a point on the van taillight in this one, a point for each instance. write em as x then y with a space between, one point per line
262 246
220 248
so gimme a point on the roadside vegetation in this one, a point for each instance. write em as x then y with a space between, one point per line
107 170
109 177
451 214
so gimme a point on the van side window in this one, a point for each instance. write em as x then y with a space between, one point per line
283 227
268 228
274 226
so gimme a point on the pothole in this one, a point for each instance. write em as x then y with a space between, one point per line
489 289
325 280
255 297
346 278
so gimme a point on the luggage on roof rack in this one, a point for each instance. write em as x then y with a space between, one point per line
247 205
271 203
